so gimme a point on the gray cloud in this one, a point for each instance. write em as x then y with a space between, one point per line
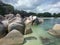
36 5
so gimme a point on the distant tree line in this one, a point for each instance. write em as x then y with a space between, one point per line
7 8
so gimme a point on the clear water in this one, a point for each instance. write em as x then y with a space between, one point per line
40 32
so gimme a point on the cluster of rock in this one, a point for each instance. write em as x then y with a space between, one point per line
13 27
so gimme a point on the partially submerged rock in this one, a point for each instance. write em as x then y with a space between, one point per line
40 20
16 23
45 40
56 27
28 24
37 20
28 31
55 30
12 38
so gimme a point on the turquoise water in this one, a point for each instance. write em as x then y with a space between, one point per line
40 35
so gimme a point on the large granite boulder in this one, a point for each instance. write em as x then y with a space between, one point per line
3 30
56 27
37 20
28 31
12 38
5 22
17 26
28 24
9 16
55 30
16 23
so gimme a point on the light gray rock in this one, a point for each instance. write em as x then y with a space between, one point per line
55 30
16 23
41 20
17 26
28 24
5 22
12 38
9 16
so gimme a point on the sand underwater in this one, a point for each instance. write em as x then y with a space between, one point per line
40 35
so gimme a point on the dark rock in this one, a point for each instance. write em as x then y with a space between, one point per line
17 26
3 30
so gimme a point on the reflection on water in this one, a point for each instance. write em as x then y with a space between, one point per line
40 32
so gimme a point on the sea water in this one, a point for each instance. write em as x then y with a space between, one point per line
40 36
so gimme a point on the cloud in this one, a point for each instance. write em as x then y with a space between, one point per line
26 4
36 5
23 4
52 8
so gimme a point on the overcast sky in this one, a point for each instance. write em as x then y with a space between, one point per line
39 6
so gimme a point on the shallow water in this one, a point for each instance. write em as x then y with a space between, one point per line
40 35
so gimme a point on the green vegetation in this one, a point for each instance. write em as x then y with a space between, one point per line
7 8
